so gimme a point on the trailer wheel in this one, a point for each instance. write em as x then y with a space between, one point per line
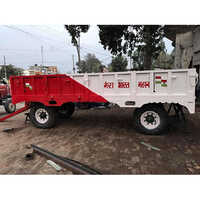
67 110
42 116
151 119
9 106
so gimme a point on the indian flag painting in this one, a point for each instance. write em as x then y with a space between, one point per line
161 81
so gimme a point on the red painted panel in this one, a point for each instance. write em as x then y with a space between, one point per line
45 88
164 81
158 77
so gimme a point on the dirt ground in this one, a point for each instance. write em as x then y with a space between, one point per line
105 140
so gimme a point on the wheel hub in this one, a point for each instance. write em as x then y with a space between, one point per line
41 115
150 120
11 106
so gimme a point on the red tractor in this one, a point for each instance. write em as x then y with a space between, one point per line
5 97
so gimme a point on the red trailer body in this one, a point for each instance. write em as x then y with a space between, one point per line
50 90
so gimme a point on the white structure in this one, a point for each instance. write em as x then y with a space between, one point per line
26 73
137 88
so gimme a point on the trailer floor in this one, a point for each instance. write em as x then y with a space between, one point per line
104 140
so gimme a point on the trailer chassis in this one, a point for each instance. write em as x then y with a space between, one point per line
178 109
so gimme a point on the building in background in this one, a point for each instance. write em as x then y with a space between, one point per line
28 72
186 39
51 69
39 70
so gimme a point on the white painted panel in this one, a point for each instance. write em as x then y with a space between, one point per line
108 84
143 87
179 82
161 82
143 83
94 83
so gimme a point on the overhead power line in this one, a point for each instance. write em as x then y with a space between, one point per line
101 59
64 44
59 46
92 50
104 57
25 32
39 38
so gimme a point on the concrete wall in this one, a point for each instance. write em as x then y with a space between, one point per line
196 46
184 50
187 49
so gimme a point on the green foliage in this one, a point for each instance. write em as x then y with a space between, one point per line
75 31
126 39
140 42
111 37
89 64
164 60
11 71
118 64
35 67
138 60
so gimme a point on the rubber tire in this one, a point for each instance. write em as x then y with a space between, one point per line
163 119
7 108
52 117
68 109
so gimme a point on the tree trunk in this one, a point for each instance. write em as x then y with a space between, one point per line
147 48
147 59
78 52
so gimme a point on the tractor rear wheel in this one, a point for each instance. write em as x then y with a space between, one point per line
9 106
42 116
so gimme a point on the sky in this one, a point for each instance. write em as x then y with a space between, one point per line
21 45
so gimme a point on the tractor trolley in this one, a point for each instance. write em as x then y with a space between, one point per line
147 91
5 97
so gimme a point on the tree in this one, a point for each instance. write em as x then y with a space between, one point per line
126 39
11 70
138 60
164 60
89 64
75 32
118 64
35 67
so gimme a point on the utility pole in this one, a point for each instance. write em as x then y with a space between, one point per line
79 48
42 56
4 63
73 64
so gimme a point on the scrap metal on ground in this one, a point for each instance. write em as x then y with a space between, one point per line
72 165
